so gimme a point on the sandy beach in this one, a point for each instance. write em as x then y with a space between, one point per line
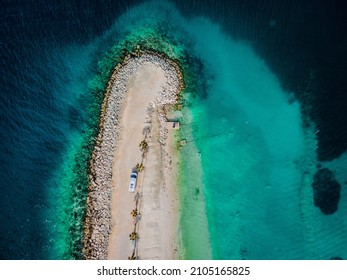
140 92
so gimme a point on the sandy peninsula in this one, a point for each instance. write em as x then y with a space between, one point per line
140 93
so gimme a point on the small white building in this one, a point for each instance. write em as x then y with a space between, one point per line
172 124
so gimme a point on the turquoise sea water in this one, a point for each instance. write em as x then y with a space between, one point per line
253 134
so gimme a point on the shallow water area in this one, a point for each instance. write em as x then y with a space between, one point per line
254 135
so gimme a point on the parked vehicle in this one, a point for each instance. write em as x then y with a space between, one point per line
133 179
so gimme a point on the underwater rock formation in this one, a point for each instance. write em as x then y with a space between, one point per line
326 191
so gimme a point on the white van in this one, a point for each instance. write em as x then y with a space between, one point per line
133 179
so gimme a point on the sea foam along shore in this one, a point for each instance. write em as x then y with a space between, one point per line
98 216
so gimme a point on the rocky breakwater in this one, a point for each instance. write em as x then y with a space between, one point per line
98 216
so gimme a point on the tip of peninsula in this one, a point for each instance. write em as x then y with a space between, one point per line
136 136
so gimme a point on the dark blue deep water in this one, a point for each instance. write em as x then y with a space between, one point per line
49 50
